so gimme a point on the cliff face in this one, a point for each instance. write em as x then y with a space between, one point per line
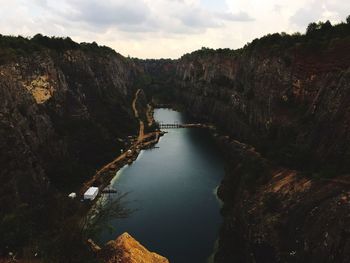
286 196
276 214
59 107
63 114
296 101
65 111
294 108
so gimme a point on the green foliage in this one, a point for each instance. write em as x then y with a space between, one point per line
12 47
312 27
205 51
318 35
55 43
101 213
94 47
326 26
348 19
56 228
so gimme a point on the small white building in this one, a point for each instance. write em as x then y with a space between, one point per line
91 193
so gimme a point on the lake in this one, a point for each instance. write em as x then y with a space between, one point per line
173 191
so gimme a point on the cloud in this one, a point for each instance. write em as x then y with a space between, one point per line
277 8
238 17
165 28
109 13
314 11
306 15
166 16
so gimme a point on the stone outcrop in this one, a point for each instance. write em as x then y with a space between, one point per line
275 214
125 249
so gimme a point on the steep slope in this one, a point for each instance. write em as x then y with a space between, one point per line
276 214
291 104
285 191
64 112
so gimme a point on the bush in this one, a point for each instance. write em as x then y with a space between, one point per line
11 46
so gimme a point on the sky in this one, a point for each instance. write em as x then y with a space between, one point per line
165 28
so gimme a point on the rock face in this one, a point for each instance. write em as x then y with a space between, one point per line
64 111
65 107
125 249
276 214
296 113
286 196
63 114
296 101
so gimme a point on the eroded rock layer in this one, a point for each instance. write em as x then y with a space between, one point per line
125 249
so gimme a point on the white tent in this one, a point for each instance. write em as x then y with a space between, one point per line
91 193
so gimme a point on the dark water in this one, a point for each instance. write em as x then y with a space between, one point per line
173 189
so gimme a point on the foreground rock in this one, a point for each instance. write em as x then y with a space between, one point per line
125 249
274 214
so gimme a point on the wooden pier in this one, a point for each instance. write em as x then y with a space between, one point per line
170 125
176 125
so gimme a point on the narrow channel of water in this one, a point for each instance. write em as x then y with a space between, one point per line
173 189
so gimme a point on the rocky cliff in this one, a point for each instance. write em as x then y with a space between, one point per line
65 111
286 196
66 108
125 249
293 104
277 214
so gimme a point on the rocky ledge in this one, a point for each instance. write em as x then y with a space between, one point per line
125 249
275 214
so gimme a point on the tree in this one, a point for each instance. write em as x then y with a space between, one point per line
326 26
348 20
104 210
312 27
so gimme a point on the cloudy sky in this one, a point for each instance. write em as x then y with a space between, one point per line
165 28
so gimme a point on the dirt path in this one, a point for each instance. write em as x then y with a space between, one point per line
134 103
150 118
143 141
136 114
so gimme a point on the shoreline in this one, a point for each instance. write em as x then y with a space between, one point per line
211 131
103 176
112 171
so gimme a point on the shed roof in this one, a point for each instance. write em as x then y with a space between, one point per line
91 191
